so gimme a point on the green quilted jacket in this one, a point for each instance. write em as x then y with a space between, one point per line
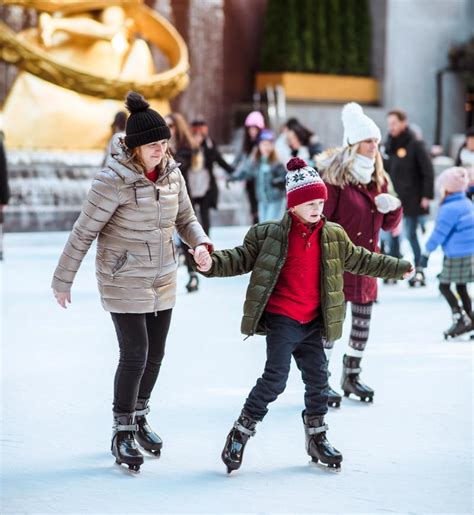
264 252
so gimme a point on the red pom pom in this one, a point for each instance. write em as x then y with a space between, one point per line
295 163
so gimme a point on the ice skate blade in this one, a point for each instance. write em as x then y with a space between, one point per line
334 468
366 400
334 404
463 337
132 468
154 452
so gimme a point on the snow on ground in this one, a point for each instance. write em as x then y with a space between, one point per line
409 452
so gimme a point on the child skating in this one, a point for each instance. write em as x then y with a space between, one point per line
454 231
295 298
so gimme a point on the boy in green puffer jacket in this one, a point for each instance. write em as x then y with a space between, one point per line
295 297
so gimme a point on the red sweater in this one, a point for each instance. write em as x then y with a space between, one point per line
297 291
152 175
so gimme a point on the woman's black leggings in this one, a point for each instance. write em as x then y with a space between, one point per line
141 339
445 290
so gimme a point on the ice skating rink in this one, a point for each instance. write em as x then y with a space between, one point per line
409 452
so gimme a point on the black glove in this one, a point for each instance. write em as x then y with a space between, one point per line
424 260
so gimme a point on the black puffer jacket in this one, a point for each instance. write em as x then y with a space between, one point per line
411 171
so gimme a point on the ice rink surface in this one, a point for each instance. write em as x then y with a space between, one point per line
409 452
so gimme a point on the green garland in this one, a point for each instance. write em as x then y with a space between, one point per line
319 36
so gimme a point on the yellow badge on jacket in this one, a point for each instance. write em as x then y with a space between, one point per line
401 152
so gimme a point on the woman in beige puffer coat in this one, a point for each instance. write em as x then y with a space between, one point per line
133 207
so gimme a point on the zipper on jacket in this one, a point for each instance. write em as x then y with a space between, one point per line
279 267
135 192
323 286
149 253
172 247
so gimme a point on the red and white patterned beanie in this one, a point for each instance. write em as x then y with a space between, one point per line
303 183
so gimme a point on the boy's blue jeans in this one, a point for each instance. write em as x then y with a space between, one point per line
286 338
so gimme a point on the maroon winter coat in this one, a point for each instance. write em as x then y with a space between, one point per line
354 208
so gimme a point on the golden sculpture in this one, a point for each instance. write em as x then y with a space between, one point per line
85 48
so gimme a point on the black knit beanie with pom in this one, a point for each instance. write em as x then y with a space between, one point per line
144 125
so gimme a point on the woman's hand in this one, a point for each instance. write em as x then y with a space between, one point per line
386 203
410 273
202 258
62 298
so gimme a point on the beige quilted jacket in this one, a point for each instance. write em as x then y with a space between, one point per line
133 220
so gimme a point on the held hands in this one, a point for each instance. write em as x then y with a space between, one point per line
408 275
202 258
62 297
386 203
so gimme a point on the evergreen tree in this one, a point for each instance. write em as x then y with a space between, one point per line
291 37
321 53
325 36
281 37
364 37
334 24
271 36
350 40
307 23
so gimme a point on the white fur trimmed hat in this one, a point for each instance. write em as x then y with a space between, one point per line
357 125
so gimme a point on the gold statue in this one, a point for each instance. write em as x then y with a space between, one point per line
78 55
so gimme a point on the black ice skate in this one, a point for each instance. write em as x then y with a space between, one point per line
350 382
123 446
193 282
462 324
145 435
334 399
317 445
418 279
233 452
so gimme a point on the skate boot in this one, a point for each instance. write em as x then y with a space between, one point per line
462 324
123 445
145 435
233 452
418 279
350 382
193 283
334 399
317 445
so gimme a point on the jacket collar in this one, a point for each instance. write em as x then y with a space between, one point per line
402 140
454 196
126 171
287 220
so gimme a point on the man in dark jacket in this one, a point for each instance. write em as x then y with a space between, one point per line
411 171
4 190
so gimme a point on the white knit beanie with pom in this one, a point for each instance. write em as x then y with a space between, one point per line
357 125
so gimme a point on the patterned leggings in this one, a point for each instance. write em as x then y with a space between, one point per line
361 314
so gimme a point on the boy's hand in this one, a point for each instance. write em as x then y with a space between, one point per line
202 258
410 273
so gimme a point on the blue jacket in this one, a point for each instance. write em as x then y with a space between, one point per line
269 178
454 229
